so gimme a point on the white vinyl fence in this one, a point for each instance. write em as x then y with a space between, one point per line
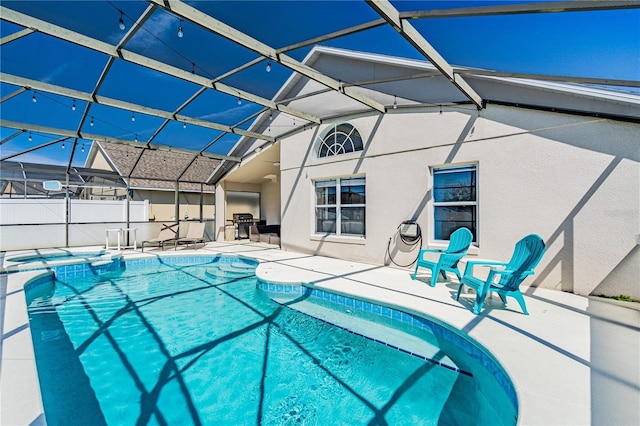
41 223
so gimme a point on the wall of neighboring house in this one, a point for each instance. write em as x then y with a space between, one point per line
571 179
161 201
99 161
162 204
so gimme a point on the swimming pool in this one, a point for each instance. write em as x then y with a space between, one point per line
186 340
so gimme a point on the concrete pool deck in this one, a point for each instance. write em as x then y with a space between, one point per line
574 360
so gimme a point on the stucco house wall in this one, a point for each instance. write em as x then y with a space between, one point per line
155 180
162 204
226 210
572 179
270 202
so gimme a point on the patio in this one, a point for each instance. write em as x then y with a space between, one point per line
573 360
173 111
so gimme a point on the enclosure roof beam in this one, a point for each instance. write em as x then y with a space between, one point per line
90 97
176 111
510 9
15 36
547 77
408 31
92 136
10 137
194 15
527 8
333 35
13 94
35 148
135 58
132 31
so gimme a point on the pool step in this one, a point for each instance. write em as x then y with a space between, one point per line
239 266
236 267
233 270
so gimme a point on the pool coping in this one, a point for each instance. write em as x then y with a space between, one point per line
20 397
563 359
9 263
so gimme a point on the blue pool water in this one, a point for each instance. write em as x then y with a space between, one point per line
194 341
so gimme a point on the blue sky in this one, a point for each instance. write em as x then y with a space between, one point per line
603 44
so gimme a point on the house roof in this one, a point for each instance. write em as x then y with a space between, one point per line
409 83
153 169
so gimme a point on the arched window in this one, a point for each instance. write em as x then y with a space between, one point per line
342 139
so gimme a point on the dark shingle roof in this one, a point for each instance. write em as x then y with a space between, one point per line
155 169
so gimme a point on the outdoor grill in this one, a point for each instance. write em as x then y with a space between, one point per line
242 221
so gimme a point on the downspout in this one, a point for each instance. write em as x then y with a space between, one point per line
128 210
177 202
24 176
201 202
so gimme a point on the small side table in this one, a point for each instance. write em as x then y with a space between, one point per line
106 231
120 234
135 237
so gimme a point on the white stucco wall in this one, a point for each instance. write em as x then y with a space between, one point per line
270 203
220 219
573 180
225 210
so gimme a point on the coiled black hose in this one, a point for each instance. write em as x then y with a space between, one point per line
410 240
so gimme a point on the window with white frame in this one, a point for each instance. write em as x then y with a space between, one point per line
341 139
455 201
340 206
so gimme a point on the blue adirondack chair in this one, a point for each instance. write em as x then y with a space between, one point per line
459 243
526 256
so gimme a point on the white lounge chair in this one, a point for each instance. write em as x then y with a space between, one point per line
167 234
195 235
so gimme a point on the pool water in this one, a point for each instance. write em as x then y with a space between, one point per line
178 344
